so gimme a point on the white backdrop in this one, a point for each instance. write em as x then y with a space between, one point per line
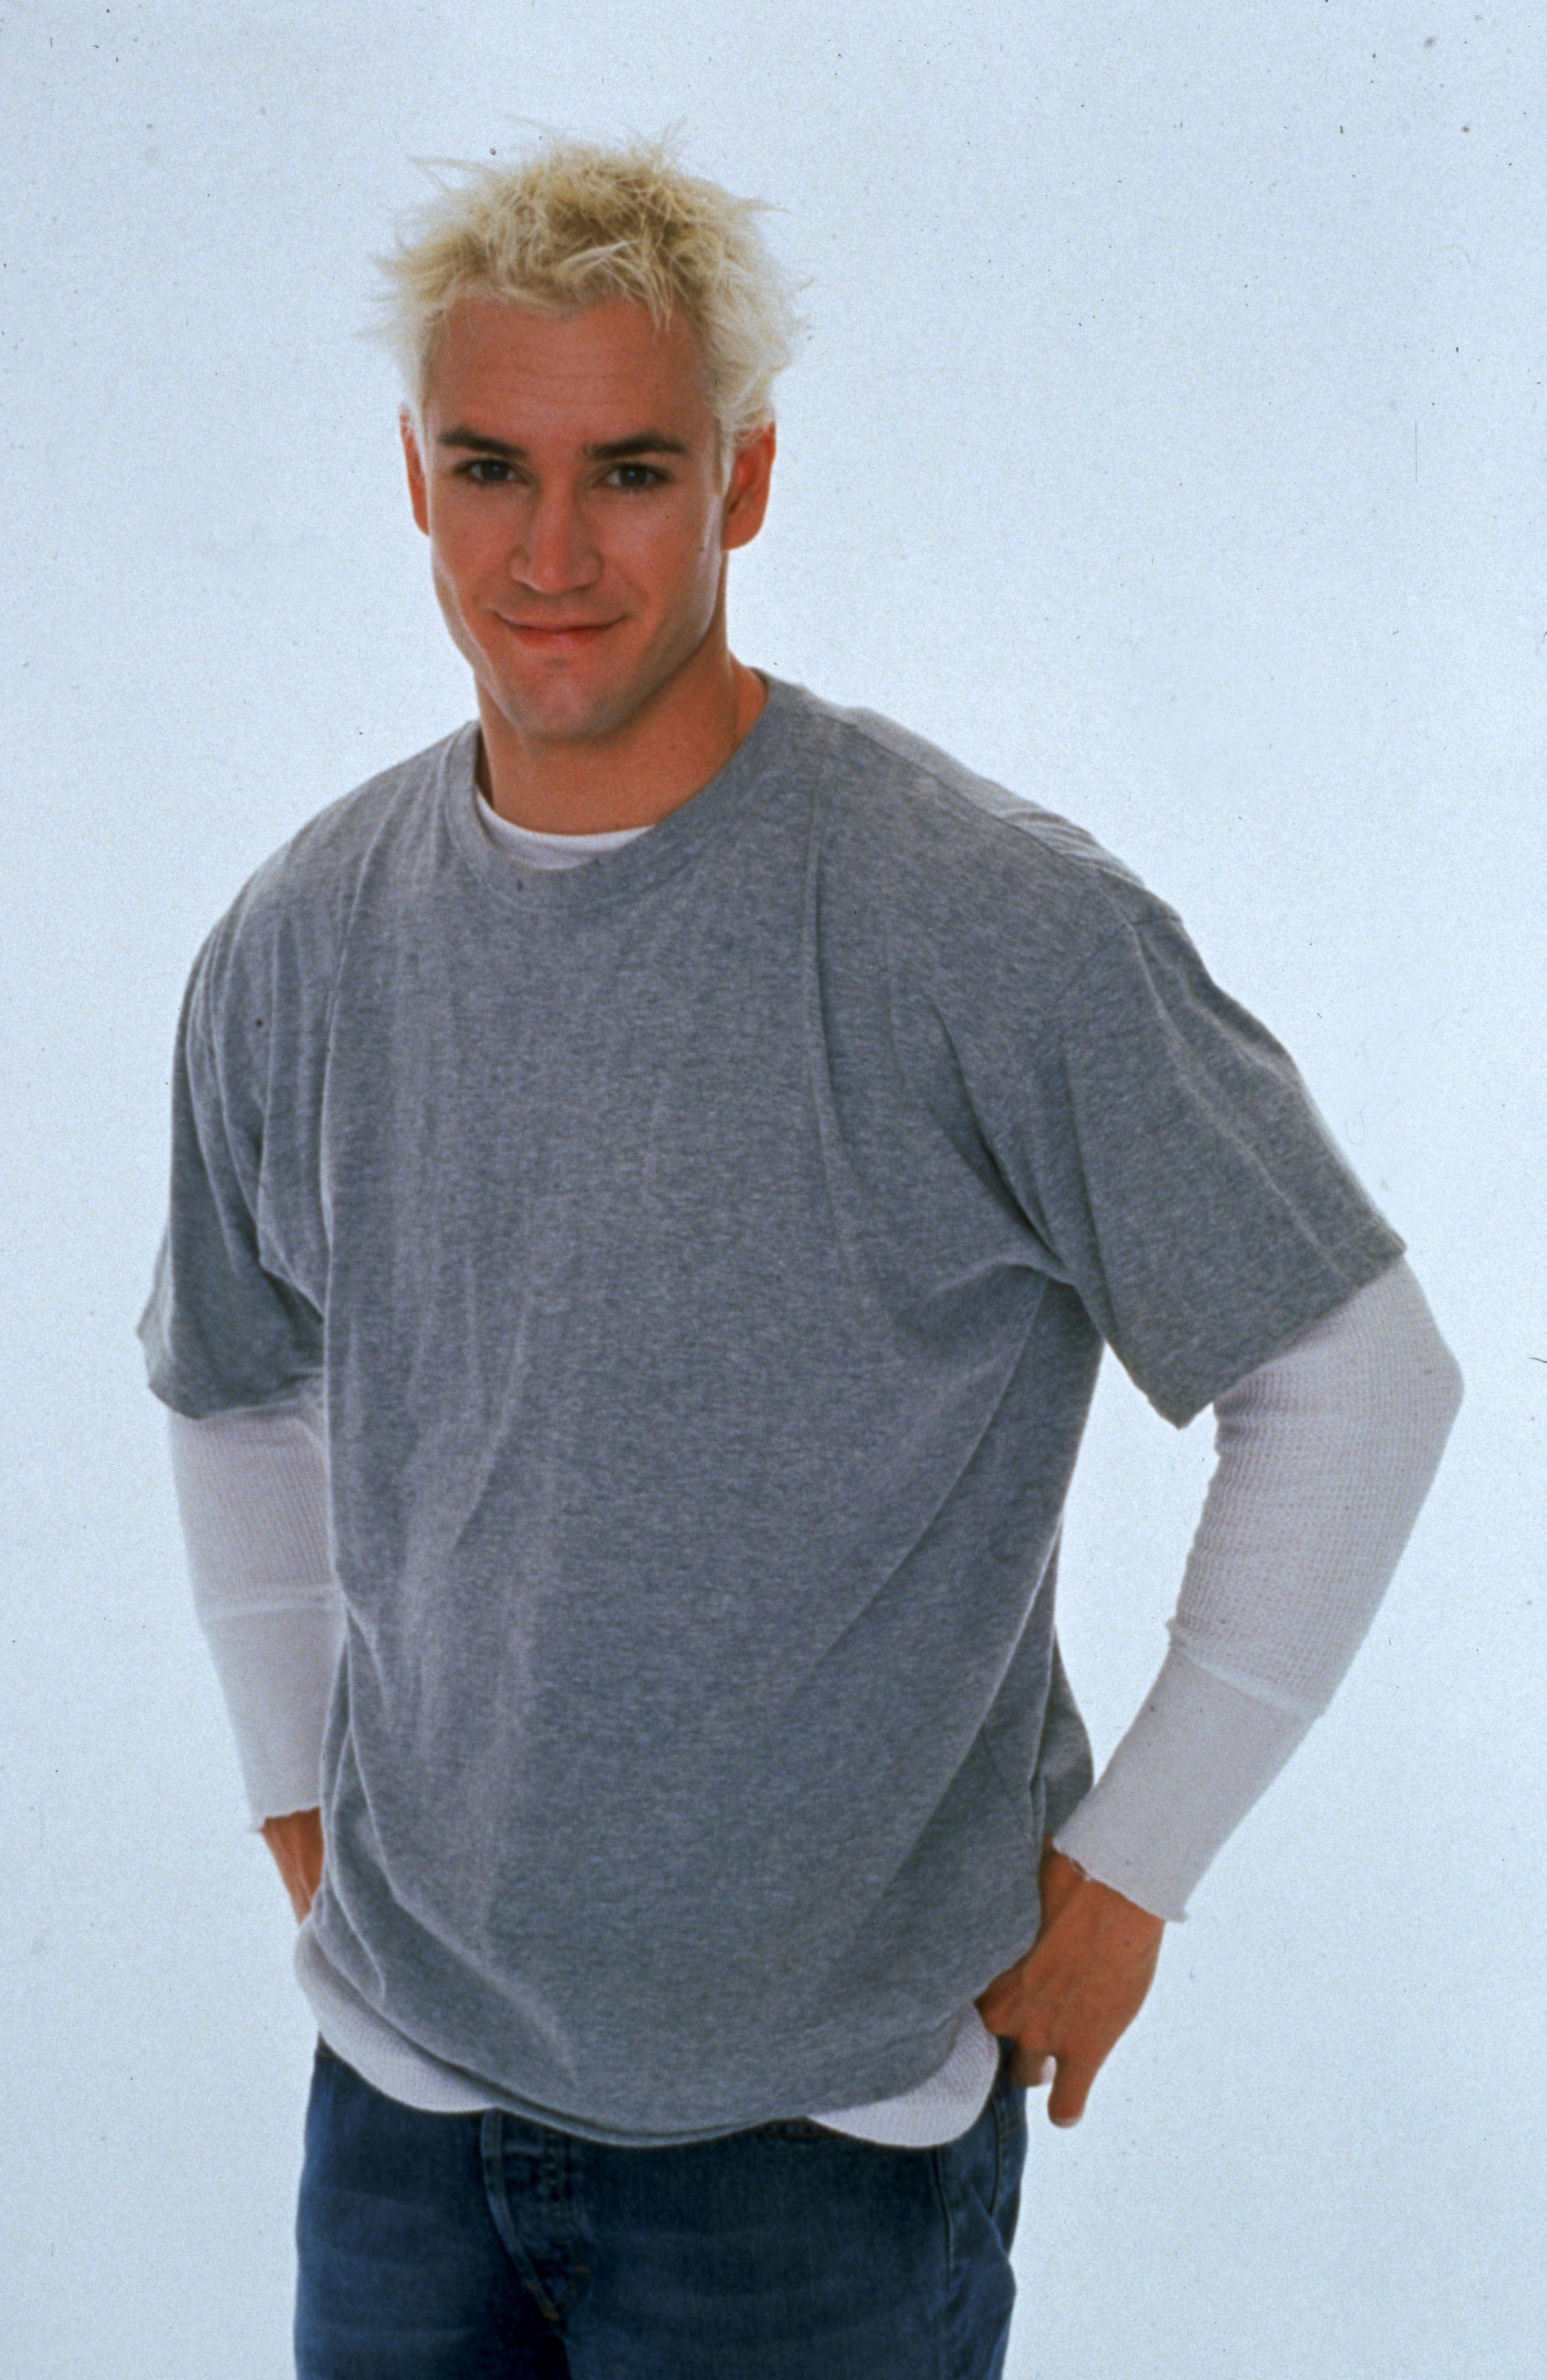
1168 444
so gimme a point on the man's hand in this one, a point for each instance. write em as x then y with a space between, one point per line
1079 1988
297 1845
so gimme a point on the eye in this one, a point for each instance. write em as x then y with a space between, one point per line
632 476
486 471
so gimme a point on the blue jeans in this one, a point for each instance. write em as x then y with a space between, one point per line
467 2247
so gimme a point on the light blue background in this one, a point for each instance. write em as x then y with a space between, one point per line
1168 444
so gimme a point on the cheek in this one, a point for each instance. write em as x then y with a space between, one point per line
448 592
467 545
674 558
459 603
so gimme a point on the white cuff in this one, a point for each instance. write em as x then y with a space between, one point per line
276 1671
1190 1767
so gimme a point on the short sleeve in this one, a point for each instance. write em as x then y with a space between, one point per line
220 1331
1166 1152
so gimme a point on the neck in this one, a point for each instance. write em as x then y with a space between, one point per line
633 776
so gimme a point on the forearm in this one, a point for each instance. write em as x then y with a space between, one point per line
1325 1455
253 1493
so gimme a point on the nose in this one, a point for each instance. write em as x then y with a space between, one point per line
556 553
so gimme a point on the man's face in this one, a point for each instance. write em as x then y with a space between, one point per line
577 513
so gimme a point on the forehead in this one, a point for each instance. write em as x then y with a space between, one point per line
600 372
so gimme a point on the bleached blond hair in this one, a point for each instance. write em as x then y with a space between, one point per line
576 223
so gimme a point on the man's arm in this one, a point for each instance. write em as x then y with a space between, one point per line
1325 1455
253 1493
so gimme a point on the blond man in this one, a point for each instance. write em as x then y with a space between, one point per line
653 1177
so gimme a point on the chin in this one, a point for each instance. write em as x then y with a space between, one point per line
579 719
570 710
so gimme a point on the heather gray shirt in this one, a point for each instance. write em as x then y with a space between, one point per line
706 1256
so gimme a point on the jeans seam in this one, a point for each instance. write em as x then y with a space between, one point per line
492 2144
937 2165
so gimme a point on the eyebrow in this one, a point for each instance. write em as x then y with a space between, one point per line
613 450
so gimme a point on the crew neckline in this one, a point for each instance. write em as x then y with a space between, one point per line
645 857
542 850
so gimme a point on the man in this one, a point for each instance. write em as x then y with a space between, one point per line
652 1177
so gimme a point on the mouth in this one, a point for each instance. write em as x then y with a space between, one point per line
556 634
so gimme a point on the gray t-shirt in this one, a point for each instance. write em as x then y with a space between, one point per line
706 1255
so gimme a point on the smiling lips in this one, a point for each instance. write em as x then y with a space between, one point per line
557 630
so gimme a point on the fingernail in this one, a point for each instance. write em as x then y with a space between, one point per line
1065 2123
1046 2071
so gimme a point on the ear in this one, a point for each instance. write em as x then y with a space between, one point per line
418 495
746 490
